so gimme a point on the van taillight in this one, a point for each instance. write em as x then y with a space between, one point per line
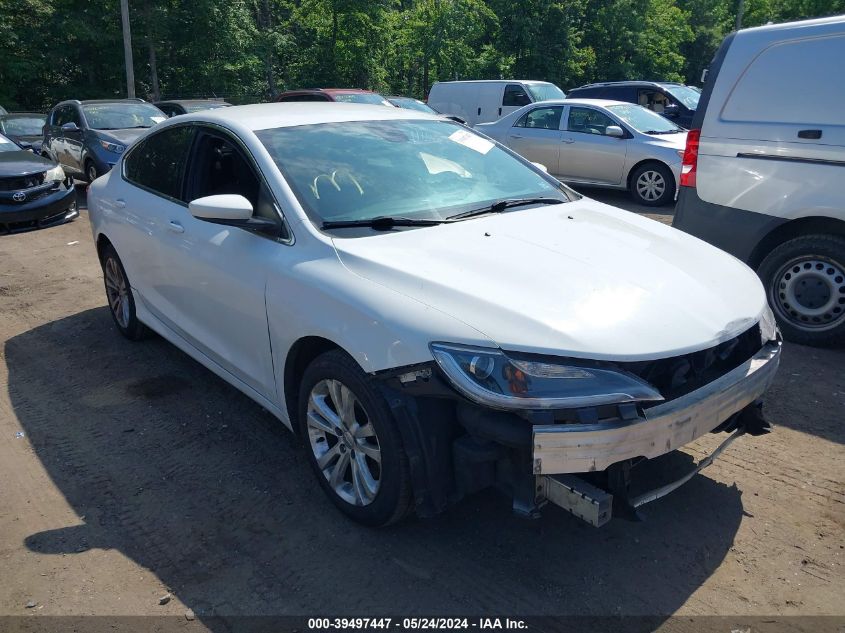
689 165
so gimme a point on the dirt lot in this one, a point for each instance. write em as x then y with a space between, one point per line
128 471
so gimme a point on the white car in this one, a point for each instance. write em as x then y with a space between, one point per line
432 313
600 143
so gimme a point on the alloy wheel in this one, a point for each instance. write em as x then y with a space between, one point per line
344 442
810 292
650 185
117 292
92 173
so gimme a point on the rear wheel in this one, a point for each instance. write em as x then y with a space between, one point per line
119 296
653 185
352 440
805 283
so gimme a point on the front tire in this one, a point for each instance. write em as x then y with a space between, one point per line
805 284
119 296
653 185
352 440
91 171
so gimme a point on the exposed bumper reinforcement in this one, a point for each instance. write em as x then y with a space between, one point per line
580 448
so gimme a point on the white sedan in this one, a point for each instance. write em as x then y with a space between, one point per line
430 312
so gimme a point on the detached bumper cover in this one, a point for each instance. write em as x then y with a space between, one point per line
580 448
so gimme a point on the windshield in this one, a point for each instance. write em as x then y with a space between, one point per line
542 91
412 104
420 169
24 126
685 95
198 107
361 97
643 120
7 146
119 116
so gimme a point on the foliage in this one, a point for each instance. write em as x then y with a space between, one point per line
248 50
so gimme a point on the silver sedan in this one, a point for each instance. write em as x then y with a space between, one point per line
598 142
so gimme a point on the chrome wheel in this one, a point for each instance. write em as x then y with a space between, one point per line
810 292
344 442
650 185
117 291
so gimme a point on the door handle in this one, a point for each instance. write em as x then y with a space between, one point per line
120 204
516 136
479 111
500 112
568 140
176 227
811 134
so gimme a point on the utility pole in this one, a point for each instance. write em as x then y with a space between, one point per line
739 11
127 49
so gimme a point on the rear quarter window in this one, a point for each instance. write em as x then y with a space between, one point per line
798 82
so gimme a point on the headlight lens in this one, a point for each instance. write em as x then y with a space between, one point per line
768 326
56 173
491 378
113 147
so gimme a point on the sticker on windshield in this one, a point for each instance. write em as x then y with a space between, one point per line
158 119
474 142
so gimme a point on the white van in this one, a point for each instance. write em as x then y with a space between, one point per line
763 174
483 101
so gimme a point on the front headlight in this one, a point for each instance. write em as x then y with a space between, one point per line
113 147
489 377
56 173
768 326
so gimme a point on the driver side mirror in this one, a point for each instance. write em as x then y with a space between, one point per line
615 131
70 127
231 210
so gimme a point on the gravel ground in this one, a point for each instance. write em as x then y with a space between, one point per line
128 471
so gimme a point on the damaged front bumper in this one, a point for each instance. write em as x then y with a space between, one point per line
562 449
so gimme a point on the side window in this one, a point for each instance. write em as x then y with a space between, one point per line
515 95
220 167
653 100
73 116
588 121
169 110
543 118
62 116
158 162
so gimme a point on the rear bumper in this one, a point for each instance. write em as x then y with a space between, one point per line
53 208
581 448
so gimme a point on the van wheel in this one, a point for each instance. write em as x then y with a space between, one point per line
653 185
353 442
805 285
119 296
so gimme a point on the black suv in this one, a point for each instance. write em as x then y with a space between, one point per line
675 101
87 137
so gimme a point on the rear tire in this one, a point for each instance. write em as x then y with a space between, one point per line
352 441
805 285
119 296
653 185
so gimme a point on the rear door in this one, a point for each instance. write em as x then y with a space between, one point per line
536 135
587 153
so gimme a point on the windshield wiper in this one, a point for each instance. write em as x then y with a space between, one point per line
381 223
501 205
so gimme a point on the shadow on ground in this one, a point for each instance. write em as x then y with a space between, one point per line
192 480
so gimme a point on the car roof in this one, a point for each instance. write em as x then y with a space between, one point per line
496 81
12 115
262 116
603 103
190 101
602 84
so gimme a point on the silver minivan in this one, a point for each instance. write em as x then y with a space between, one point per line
763 170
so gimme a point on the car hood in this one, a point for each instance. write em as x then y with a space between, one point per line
23 163
580 279
123 137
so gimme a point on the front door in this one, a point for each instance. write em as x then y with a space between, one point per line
536 136
74 140
214 296
588 154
